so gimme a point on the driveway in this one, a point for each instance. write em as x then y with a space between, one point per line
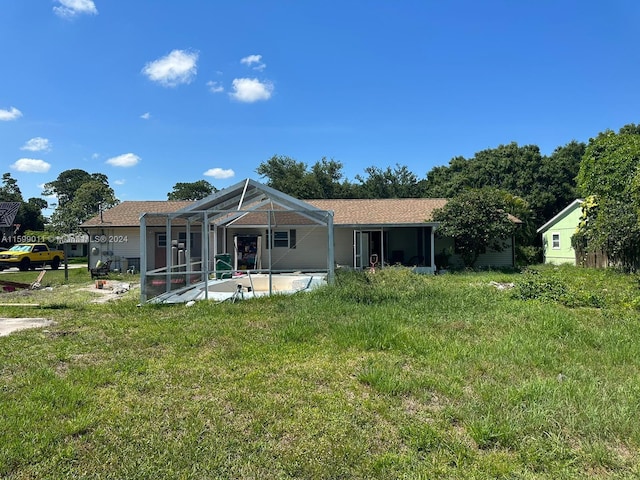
17 270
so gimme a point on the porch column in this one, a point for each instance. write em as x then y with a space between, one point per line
205 253
143 259
168 257
187 253
433 247
330 250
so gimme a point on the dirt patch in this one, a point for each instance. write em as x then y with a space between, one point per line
109 290
9 325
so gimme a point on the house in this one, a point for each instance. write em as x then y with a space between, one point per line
557 233
250 226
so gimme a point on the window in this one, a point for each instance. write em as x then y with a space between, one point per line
555 241
161 240
182 238
282 239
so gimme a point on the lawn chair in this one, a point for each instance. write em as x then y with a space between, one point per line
102 270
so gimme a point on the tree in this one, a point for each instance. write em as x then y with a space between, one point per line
294 178
609 178
554 187
67 184
29 215
80 196
191 190
286 175
325 178
10 192
610 164
397 183
477 220
546 183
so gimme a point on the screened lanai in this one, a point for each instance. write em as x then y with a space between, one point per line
246 230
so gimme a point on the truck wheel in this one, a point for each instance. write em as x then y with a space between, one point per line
55 264
24 265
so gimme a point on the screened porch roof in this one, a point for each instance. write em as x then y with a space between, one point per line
247 203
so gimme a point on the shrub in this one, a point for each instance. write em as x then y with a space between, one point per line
552 288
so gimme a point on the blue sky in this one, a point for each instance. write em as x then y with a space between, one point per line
154 92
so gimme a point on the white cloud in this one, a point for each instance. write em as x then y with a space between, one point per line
95 156
31 165
251 90
37 144
11 114
126 160
174 69
215 87
120 182
254 61
71 8
145 116
219 173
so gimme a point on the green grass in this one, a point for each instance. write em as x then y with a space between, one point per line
391 375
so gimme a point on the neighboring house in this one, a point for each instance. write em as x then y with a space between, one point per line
115 233
557 233
261 228
74 245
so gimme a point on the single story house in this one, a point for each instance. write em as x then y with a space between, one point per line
557 233
252 226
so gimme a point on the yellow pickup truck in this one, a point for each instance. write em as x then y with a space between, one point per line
27 256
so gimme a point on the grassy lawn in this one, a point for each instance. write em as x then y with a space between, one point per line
391 375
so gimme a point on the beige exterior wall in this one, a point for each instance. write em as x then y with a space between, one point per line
115 244
122 245
310 251
488 259
343 240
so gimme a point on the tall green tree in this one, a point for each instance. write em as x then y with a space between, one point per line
478 221
609 177
323 180
10 191
29 215
80 195
610 163
286 175
554 185
191 190
398 182
546 183
68 182
326 180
